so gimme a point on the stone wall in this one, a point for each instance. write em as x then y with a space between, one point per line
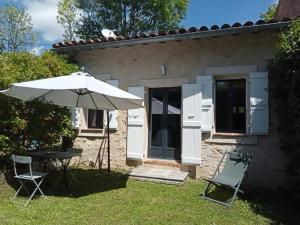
185 60
267 167
95 148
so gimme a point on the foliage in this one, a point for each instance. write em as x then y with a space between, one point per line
115 199
270 13
16 31
128 17
67 18
284 83
32 124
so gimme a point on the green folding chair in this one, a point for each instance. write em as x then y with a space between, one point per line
230 177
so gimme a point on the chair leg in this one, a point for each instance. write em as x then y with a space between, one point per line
73 177
30 197
22 186
236 190
241 191
207 188
37 188
233 197
210 184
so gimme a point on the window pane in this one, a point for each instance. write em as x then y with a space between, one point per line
157 108
231 106
222 114
95 118
174 117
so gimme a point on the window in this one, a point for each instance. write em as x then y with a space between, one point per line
231 105
95 119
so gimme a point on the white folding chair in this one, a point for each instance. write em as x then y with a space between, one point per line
28 176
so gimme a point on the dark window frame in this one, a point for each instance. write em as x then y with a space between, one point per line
98 123
232 110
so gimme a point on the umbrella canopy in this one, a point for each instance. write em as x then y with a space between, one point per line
79 89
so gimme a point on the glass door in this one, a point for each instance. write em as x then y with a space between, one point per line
165 120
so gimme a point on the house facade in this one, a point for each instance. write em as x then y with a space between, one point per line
205 92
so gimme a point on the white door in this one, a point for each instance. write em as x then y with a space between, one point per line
136 128
191 124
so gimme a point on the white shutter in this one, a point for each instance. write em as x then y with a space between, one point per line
191 124
259 108
207 113
113 114
75 117
136 132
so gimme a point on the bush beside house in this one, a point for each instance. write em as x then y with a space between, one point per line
284 71
33 124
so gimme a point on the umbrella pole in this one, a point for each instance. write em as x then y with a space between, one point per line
108 143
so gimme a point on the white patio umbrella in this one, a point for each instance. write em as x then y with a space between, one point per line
79 89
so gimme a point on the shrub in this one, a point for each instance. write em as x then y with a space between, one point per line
31 124
284 71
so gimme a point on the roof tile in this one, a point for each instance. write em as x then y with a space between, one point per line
162 33
173 32
166 32
192 29
260 22
182 31
214 27
225 26
248 24
237 24
204 28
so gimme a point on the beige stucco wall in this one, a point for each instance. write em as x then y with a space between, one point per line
185 60
182 58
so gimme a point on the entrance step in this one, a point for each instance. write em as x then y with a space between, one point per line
161 162
159 174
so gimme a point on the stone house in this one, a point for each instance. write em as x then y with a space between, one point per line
205 91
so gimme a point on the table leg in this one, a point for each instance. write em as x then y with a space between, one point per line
65 164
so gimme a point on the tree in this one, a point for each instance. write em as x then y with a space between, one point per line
128 17
284 71
31 124
270 13
16 30
67 13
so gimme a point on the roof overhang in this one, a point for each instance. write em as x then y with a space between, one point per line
175 37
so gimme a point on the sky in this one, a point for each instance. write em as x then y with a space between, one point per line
200 12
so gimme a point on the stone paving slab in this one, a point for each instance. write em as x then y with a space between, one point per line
161 175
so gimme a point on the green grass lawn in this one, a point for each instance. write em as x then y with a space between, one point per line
115 199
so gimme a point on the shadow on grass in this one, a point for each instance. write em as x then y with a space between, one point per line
280 207
90 181
220 194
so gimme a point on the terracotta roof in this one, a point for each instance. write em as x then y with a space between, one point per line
236 27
